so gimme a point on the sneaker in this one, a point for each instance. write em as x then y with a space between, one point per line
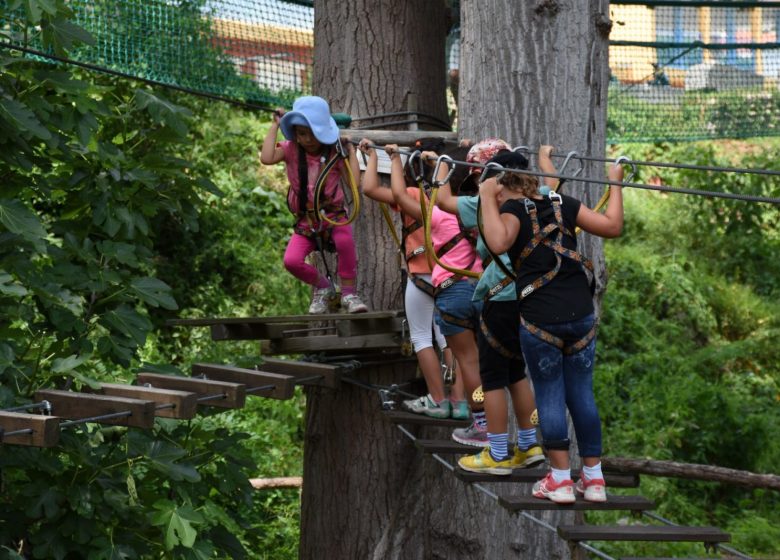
483 462
426 405
320 300
460 410
353 304
592 490
528 458
473 435
558 492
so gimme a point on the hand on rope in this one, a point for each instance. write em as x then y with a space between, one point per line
350 158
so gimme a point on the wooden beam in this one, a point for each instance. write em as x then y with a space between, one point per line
182 405
208 321
79 406
446 446
329 343
403 417
329 373
279 482
655 533
613 480
282 386
233 395
45 429
374 326
400 137
253 331
621 503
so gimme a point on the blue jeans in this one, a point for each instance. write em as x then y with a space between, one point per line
564 381
456 301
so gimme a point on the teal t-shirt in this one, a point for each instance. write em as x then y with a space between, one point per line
467 209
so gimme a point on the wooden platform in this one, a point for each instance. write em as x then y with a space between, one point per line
403 417
445 446
528 503
654 533
613 480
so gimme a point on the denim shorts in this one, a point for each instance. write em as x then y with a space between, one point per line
456 301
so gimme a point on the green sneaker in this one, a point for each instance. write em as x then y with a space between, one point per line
426 405
528 458
483 462
460 410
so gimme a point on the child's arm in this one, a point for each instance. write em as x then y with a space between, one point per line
353 162
610 223
500 230
370 182
408 205
271 153
444 198
546 166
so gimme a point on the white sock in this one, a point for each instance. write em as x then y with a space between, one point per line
591 473
559 475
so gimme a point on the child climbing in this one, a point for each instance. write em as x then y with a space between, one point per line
312 139
418 295
501 364
558 323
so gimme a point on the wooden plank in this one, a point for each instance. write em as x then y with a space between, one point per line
233 394
371 326
330 373
404 417
330 343
78 406
45 429
400 137
185 404
623 503
446 446
655 533
252 331
283 386
613 480
207 322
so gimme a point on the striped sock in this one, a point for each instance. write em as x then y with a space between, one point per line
526 438
592 473
559 475
498 445
479 418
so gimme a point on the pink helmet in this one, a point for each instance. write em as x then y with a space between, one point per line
483 151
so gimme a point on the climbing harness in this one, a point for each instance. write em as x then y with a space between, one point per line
320 213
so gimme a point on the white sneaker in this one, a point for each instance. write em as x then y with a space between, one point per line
353 304
320 299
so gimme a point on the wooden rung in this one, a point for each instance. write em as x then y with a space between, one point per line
446 446
403 417
253 331
628 503
45 429
207 322
303 370
654 533
234 394
78 406
613 480
283 386
330 343
185 403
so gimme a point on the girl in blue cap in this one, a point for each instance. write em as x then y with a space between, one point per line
311 136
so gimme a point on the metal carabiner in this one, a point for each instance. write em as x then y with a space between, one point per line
521 149
488 167
572 154
625 159
419 174
340 149
529 205
436 182
555 197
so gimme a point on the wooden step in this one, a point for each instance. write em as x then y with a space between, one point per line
210 393
655 533
404 417
446 446
44 430
305 373
626 503
614 480
264 384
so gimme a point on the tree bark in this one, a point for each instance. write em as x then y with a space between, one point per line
693 471
368 492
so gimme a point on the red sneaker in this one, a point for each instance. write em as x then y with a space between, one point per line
558 492
592 490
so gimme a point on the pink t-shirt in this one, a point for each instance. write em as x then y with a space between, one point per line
332 197
444 226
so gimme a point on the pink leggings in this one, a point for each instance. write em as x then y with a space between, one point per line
300 246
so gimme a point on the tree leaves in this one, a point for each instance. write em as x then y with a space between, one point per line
176 523
154 292
163 111
20 117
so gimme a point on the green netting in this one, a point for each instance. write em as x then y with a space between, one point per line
680 69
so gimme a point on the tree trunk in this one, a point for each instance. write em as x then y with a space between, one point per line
367 492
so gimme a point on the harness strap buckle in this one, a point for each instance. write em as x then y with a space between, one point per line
555 197
529 205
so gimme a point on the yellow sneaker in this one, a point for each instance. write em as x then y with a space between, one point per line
483 463
528 458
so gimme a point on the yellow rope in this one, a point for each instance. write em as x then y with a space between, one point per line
353 187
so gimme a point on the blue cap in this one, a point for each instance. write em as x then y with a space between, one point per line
313 112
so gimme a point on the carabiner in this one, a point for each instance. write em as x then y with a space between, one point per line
529 205
554 197
340 149
572 154
625 159
522 149
488 167
436 182
419 174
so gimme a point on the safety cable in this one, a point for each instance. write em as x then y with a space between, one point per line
373 387
320 213
31 406
113 415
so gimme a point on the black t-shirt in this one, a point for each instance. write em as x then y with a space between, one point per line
567 296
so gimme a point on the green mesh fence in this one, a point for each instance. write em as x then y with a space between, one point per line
680 69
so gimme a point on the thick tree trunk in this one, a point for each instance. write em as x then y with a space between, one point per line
367 492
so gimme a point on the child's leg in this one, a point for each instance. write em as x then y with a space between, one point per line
295 255
419 314
347 257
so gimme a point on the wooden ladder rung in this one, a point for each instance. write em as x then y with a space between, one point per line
654 533
613 480
258 383
210 393
628 503
403 417
169 403
45 429
79 406
305 373
446 446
